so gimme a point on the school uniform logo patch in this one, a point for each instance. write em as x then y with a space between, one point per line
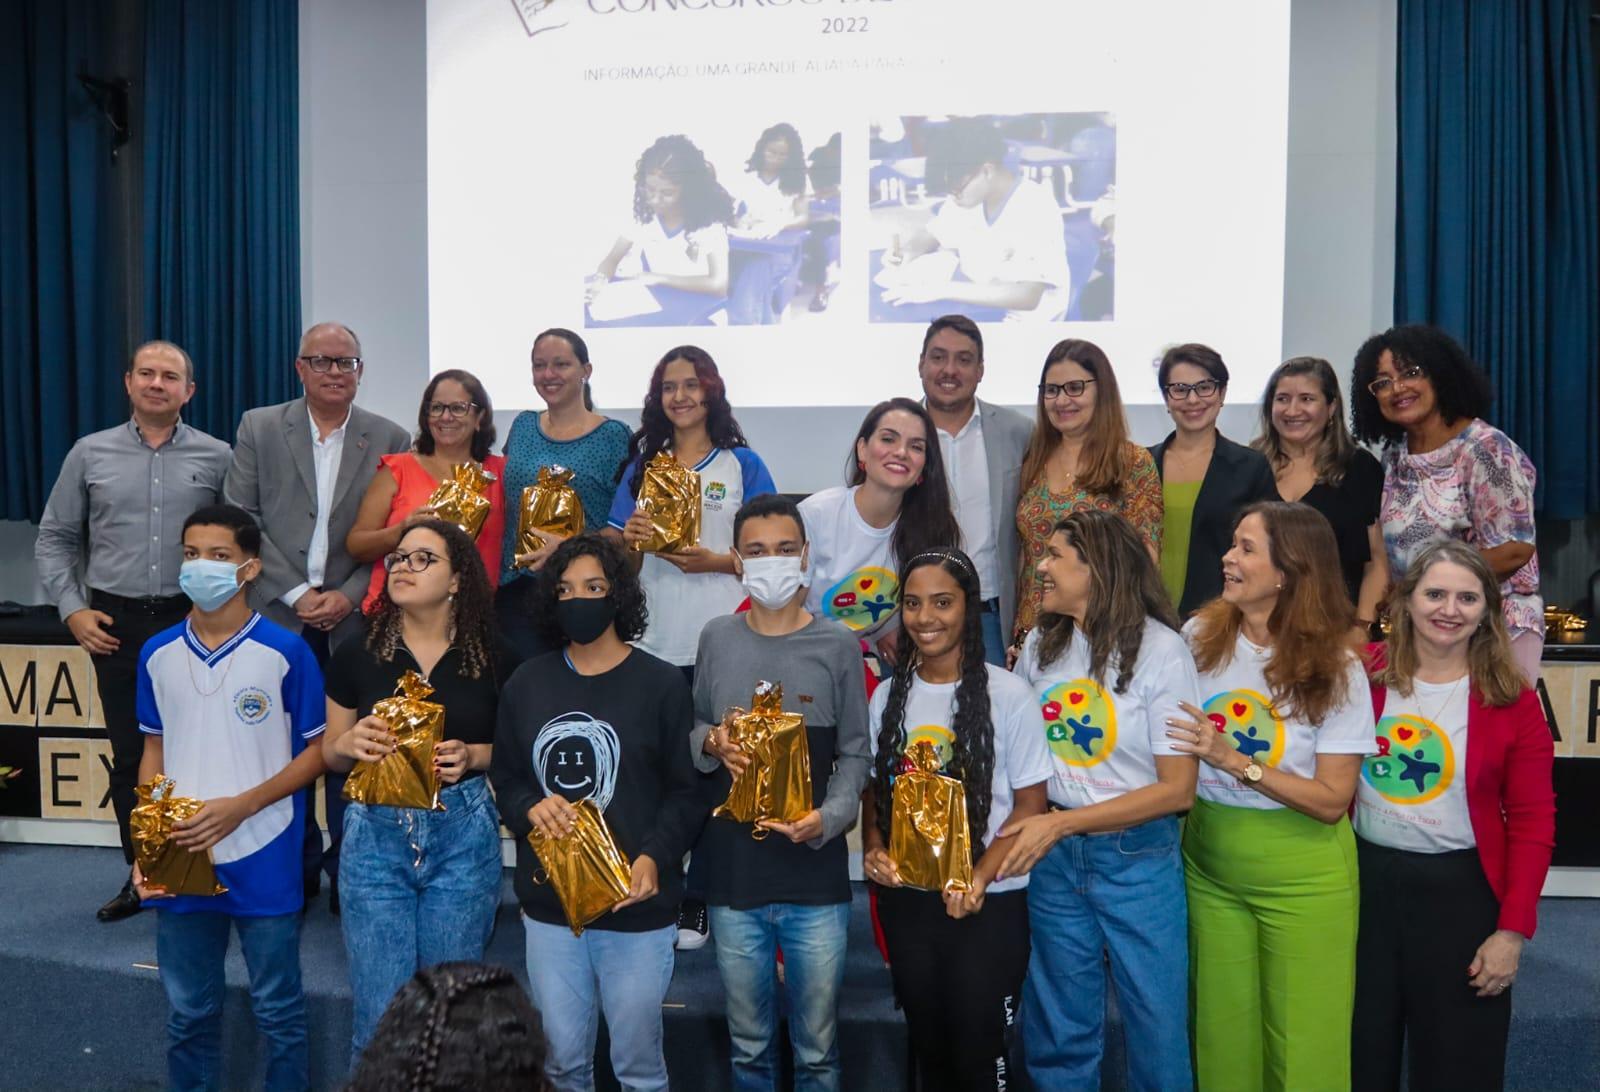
252 704
716 491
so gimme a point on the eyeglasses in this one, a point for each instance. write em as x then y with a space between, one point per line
1072 388
454 409
1409 374
324 364
1178 392
416 561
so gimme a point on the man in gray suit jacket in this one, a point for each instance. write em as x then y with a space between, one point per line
982 447
301 469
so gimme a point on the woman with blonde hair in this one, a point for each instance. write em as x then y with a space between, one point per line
1269 857
1078 457
1454 820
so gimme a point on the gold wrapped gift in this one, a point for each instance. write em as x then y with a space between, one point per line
405 777
589 873
463 498
1560 620
670 495
777 782
928 838
550 505
164 863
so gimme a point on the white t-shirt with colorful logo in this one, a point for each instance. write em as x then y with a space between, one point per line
1412 793
1021 758
681 603
852 573
1104 743
1239 705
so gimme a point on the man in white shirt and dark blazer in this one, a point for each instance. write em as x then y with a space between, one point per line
982 445
301 469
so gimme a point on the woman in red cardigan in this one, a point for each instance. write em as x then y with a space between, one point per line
1455 819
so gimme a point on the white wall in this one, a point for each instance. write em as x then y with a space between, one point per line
364 237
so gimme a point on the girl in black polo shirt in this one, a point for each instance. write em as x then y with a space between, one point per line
419 887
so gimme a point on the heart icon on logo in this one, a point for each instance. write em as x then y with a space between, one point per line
1051 710
866 582
1402 733
1240 709
1076 697
1220 721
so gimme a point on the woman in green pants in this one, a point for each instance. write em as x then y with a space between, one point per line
1268 854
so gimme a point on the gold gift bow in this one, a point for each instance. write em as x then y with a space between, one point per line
1560 620
929 842
669 493
550 505
165 865
589 873
405 777
462 498
758 792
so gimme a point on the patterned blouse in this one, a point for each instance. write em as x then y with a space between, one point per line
1477 488
1038 510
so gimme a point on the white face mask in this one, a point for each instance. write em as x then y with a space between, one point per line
773 581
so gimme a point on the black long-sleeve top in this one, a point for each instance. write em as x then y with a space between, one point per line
620 738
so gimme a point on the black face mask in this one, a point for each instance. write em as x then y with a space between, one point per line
584 620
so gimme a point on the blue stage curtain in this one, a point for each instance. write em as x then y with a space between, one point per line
221 198
59 372
1498 201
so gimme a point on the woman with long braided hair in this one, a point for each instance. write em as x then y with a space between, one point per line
419 887
457 1027
957 958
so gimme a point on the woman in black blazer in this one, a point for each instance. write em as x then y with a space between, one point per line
1206 478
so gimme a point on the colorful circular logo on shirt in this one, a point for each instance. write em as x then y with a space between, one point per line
943 740
252 705
861 599
1080 722
1414 764
1250 722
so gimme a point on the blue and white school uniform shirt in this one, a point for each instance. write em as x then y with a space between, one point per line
681 603
230 719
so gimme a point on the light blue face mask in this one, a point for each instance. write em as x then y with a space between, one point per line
209 584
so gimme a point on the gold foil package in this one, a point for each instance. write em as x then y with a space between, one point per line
550 505
1560 620
777 782
405 777
928 838
589 873
164 863
670 495
463 498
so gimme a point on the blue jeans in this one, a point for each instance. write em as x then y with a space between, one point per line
190 949
1120 893
994 642
574 979
813 942
417 888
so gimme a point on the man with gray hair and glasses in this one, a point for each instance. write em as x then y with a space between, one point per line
110 545
300 469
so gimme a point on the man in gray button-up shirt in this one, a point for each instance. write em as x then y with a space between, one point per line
111 543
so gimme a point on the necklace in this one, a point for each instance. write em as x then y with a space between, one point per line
189 663
1442 706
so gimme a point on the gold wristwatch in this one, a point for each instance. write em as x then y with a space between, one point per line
1251 774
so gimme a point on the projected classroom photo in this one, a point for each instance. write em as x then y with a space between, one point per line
741 229
999 217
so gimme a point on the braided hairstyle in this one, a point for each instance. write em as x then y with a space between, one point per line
471 612
972 758
456 1027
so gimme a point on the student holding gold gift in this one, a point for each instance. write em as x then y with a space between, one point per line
231 705
1269 858
957 956
419 886
1107 666
789 888
568 434
455 425
609 723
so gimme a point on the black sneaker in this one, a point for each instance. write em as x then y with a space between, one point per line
694 925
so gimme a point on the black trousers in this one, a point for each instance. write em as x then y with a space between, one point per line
1423 916
960 985
133 622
